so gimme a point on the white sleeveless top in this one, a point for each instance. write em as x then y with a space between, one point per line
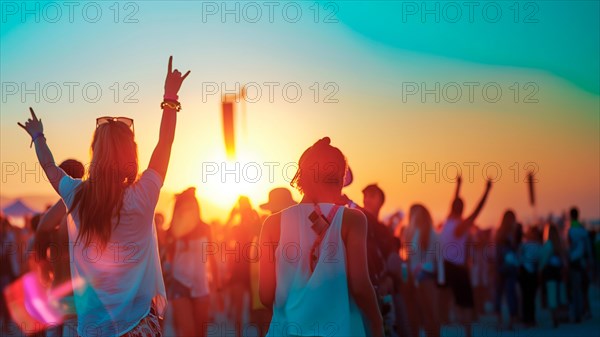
317 303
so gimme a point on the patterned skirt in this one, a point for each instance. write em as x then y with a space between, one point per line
149 326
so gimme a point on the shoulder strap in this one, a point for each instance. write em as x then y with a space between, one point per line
314 252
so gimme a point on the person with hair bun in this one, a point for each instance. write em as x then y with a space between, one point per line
313 267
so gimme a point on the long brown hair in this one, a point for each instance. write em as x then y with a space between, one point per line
551 234
114 167
506 231
420 218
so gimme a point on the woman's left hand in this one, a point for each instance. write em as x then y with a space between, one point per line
33 125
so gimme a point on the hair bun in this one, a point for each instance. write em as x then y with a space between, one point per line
323 141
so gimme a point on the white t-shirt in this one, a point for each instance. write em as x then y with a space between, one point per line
121 282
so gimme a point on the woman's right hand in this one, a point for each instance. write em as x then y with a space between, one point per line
174 80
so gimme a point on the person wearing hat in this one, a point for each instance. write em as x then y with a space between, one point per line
279 199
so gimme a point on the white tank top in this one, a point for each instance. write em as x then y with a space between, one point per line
314 303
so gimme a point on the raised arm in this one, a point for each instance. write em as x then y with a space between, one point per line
457 192
162 152
464 226
35 129
458 183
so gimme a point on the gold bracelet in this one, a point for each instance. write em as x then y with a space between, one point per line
172 105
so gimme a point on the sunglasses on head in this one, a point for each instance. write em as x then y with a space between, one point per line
108 119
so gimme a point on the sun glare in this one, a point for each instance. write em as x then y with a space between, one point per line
222 181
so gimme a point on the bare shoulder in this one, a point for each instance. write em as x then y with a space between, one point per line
354 220
355 216
272 221
270 228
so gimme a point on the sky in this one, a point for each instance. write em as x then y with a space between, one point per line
411 92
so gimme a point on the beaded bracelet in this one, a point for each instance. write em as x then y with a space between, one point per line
171 104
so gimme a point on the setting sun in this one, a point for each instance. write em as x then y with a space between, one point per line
221 181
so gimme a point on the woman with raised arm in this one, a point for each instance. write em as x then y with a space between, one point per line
313 264
454 237
115 267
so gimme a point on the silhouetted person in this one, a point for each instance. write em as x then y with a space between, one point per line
379 237
454 235
529 254
580 254
424 265
380 247
552 264
245 229
279 199
189 288
507 267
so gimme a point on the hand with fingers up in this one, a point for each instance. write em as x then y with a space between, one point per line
173 81
162 153
33 126
35 129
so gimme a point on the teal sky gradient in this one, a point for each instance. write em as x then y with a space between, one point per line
369 51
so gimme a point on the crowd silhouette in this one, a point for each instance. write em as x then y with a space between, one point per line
321 266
